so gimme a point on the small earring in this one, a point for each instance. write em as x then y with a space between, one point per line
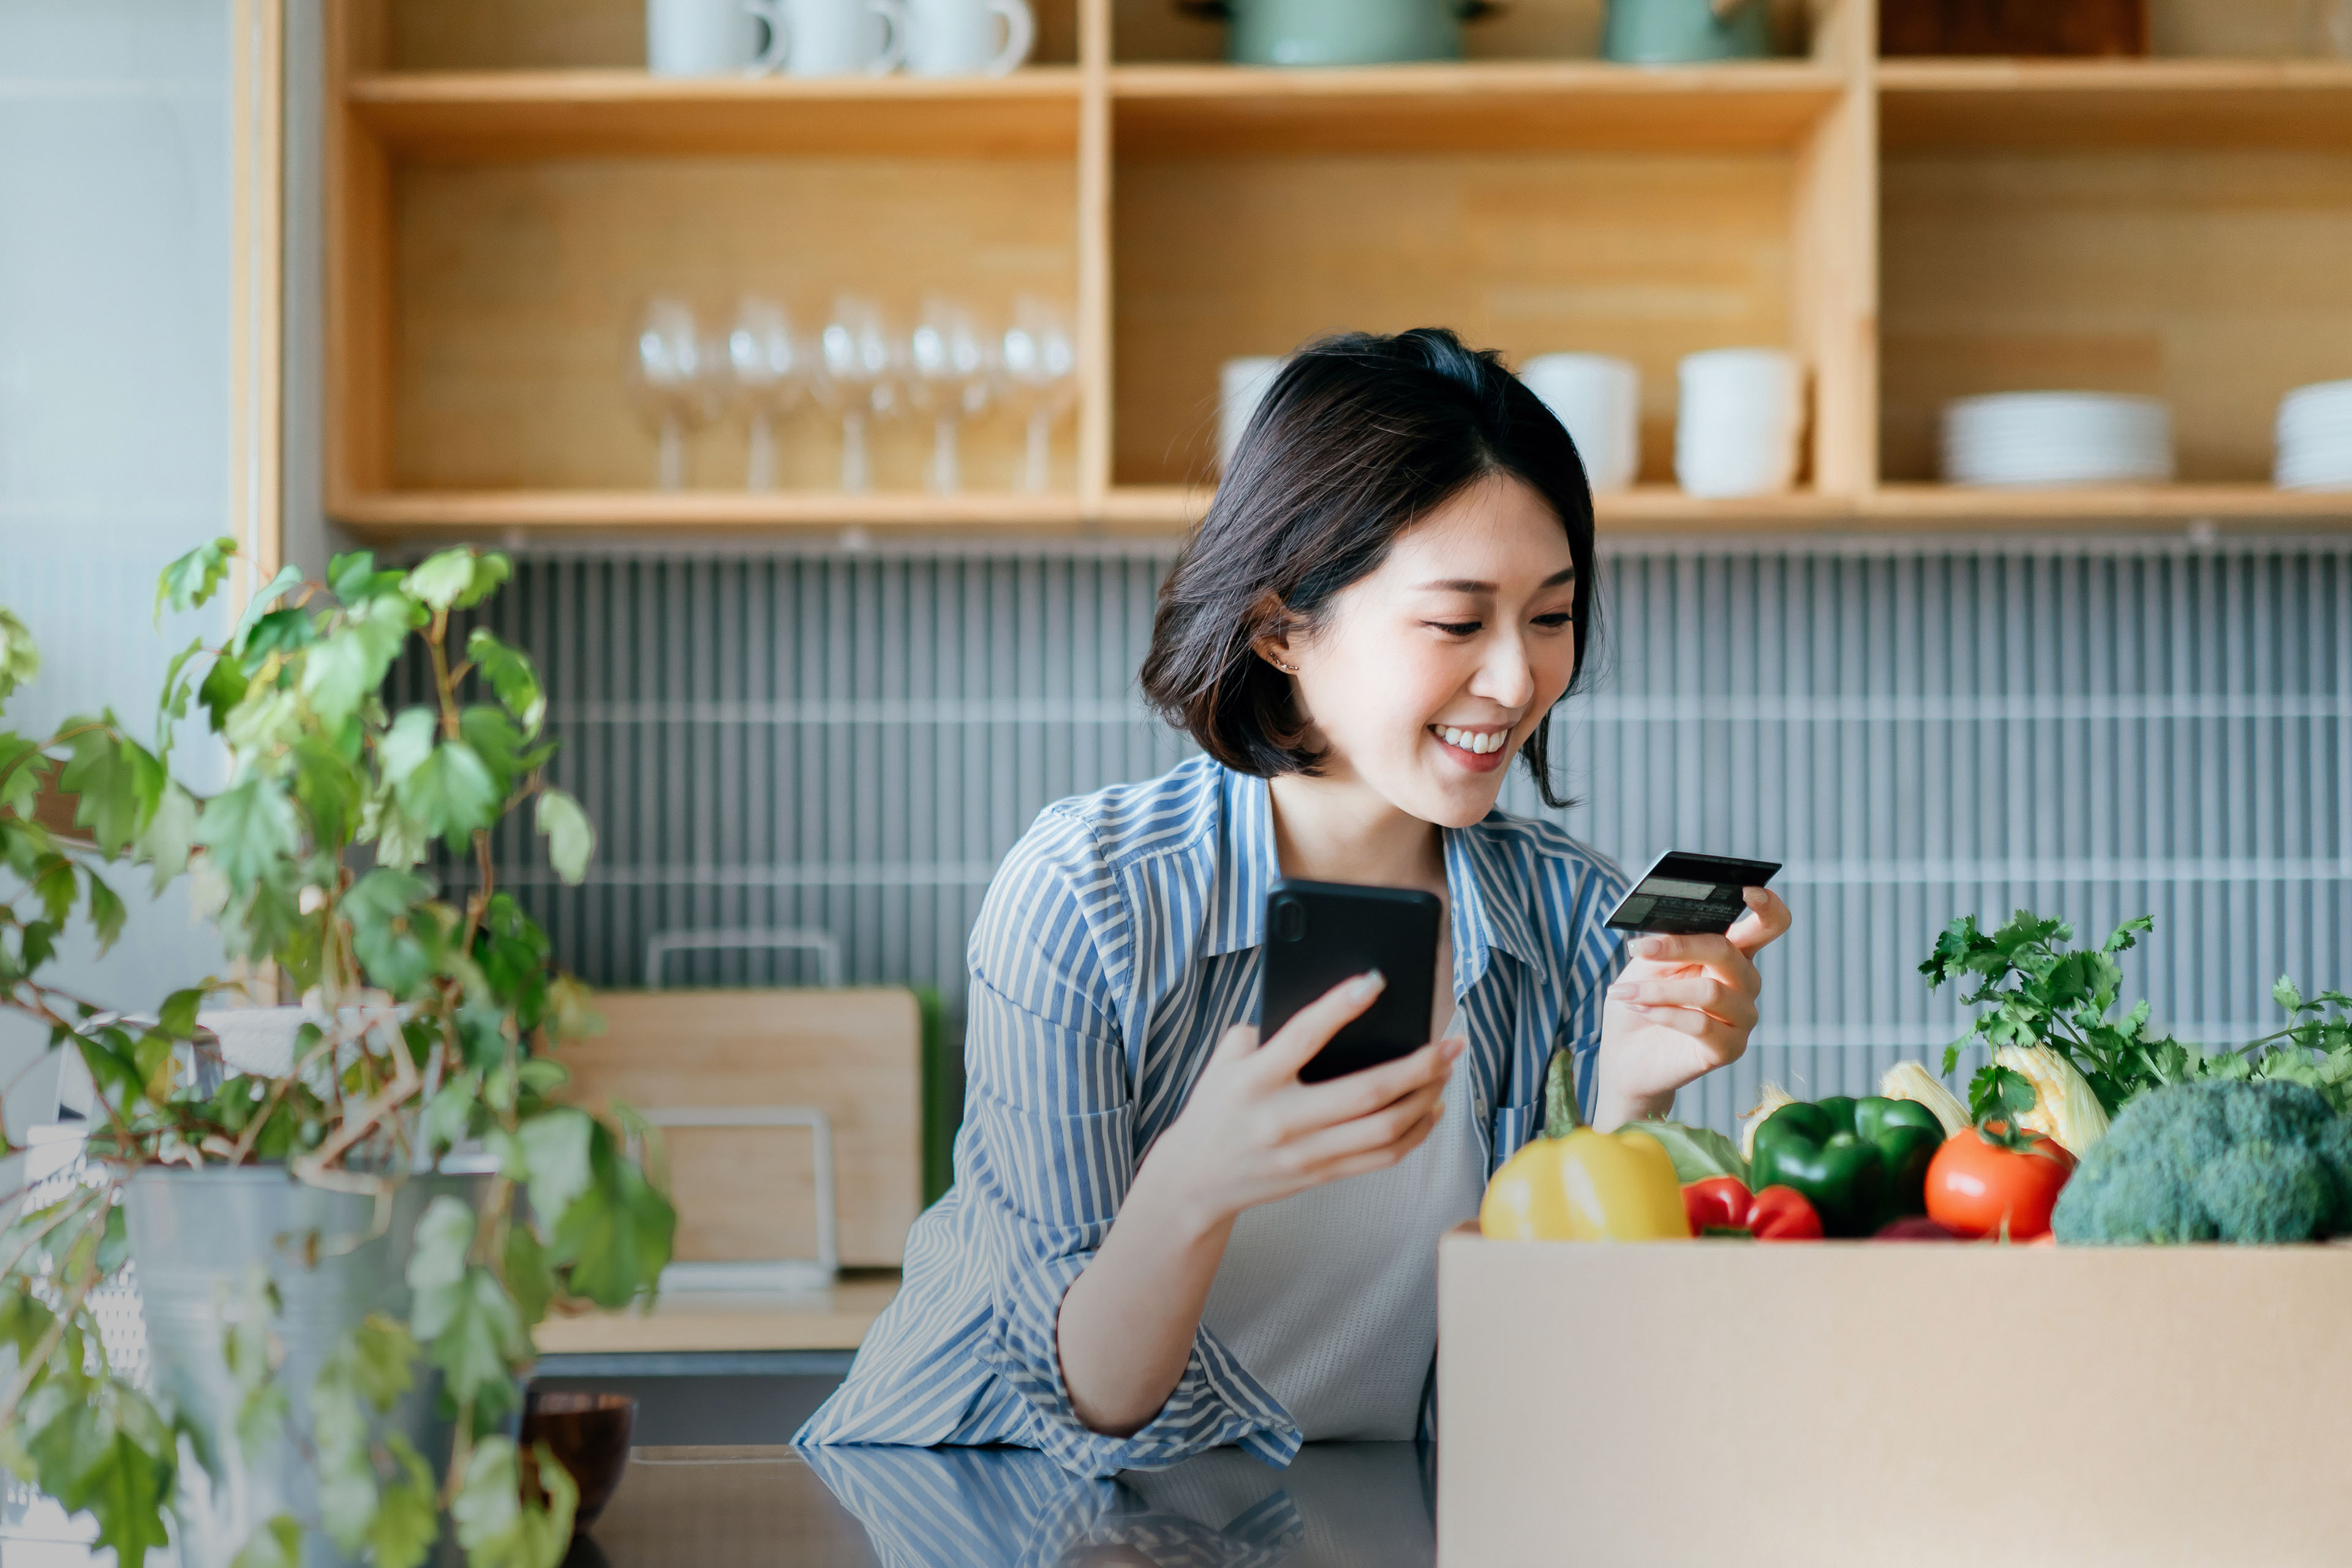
1285 669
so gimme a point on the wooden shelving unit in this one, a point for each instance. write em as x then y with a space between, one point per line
506 189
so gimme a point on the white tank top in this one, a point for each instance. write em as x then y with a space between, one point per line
1330 1297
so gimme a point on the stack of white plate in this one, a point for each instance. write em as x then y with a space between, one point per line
2057 438
2314 437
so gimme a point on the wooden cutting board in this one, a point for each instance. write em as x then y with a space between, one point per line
744 1193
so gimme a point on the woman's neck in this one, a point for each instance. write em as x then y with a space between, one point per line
1329 830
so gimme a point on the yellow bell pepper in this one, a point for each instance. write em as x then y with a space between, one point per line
1587 1186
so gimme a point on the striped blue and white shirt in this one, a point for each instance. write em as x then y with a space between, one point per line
1121 938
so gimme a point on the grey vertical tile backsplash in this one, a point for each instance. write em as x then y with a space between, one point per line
849 741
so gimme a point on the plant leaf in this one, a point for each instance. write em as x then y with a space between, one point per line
556 1145
351 660
496 1526
407 1516
20 659
170 834
119 782
451 794
246 829
512 675
570 839
616 1235
275 1544
189 582
106 913
455 577
397 944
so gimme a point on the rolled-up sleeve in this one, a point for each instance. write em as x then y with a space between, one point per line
1048 1152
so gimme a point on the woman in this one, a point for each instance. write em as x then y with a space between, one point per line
1160 1240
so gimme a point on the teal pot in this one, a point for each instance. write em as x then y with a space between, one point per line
193 1234
1345 31
1686 32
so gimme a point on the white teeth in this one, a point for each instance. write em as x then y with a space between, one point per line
1476 744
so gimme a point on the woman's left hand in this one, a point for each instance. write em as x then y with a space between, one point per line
1684 1007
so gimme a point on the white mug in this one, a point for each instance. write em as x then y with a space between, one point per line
1241 387
699 38
830 37
1742 411
950 37
1599 398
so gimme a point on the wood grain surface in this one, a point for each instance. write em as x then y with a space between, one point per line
747 1193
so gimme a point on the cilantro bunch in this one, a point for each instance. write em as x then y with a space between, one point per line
2033 988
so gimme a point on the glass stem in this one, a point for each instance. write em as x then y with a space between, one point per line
945 477
762 475
672 472
856 475
1034 475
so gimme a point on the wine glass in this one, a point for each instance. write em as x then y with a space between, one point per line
948 361
862 365
1040 368
673 377
771 369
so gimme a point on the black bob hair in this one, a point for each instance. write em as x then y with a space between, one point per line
1359 438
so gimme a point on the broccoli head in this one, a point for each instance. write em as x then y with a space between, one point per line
2244 1162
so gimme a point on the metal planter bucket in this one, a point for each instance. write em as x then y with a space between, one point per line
192 1235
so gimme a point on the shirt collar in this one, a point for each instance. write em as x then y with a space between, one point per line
1477 873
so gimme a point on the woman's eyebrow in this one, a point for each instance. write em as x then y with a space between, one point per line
1471 585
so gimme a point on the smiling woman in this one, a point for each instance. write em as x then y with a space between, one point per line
1161 1240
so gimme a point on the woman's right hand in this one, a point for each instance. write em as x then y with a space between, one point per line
1253 1133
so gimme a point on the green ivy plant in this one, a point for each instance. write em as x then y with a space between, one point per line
2033 988
309 860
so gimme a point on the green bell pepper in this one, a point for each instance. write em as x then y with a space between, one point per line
1861 1162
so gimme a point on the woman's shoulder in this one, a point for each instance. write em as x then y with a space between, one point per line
1111 829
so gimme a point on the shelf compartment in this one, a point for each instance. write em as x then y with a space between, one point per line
2187 103
2213 279
477 116
1489 105
1650 257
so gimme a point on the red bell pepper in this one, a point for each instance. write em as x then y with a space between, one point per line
1719 1203
1775 1214
1783 1214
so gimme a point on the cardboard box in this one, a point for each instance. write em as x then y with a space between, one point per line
1715 1403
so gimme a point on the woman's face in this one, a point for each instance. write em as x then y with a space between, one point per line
1429 675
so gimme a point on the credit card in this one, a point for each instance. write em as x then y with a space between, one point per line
1684 894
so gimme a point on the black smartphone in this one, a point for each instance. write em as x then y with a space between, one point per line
1320 933
1685 894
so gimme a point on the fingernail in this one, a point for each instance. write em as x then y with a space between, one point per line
1625 988
1755 897
1370 984
1649 947
1453 1049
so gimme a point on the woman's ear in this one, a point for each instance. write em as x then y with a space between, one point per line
1273 643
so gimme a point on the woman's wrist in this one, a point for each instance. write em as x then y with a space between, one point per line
1180 1209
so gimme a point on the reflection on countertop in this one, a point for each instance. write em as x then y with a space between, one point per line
1360 1505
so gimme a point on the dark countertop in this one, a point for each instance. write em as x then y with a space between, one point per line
1341 1505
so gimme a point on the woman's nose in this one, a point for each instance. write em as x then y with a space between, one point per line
1506 677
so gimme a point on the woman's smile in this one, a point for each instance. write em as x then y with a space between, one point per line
1481 750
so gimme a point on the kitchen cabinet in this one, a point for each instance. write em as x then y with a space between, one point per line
507 185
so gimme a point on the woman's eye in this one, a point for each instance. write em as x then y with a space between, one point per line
1554 622
1457 629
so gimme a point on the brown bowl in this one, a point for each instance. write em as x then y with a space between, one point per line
589 1435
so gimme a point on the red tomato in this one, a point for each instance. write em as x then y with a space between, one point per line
1977 1188
1784 1213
